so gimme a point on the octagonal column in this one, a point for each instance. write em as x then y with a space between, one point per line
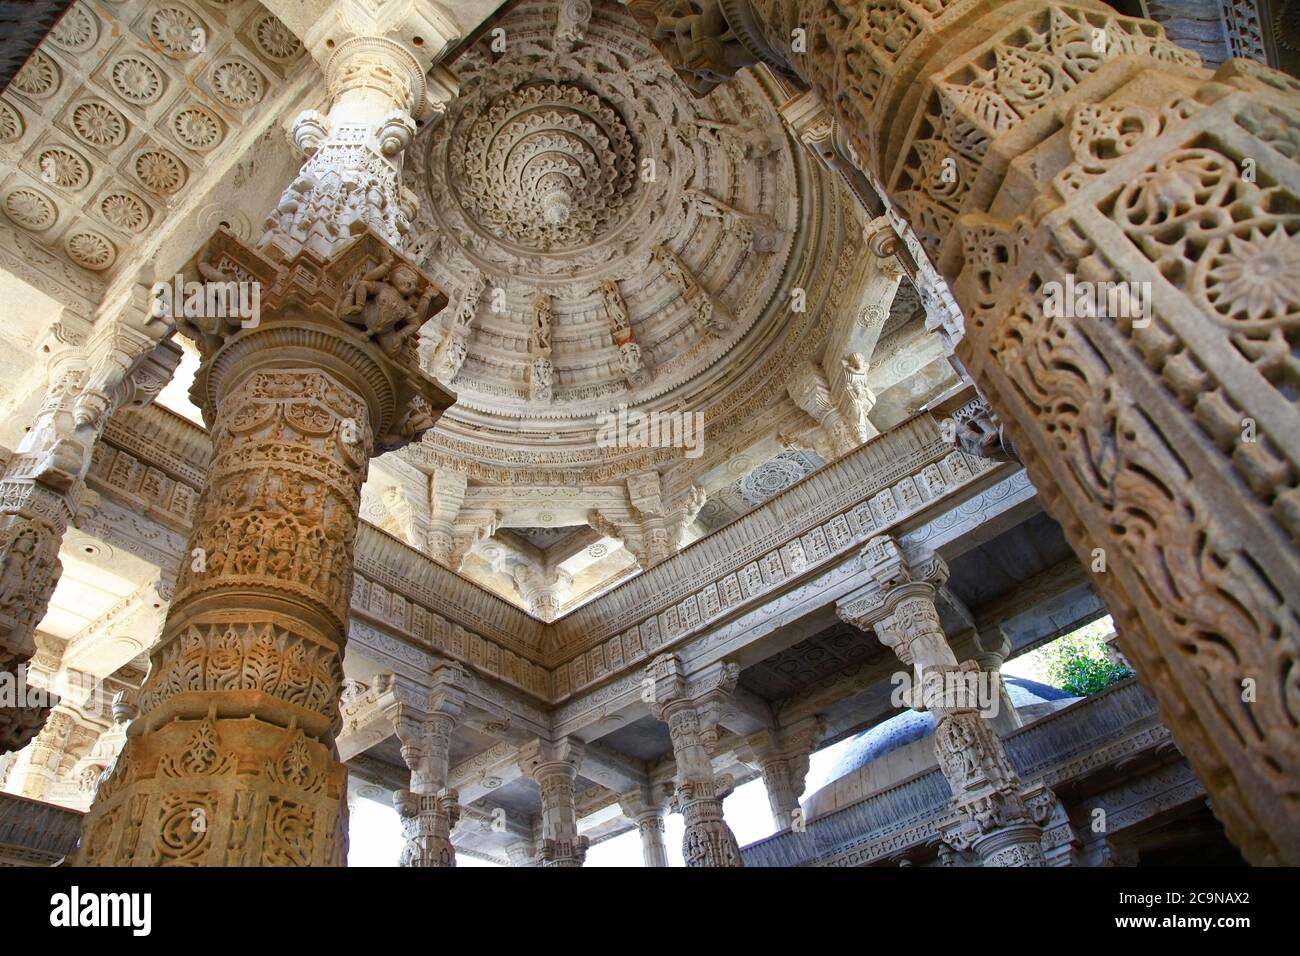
232 759
647 813
429 809
991 812
554 766
708 840
782 756
42 483
1052 151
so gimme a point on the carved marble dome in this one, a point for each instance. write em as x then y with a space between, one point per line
577 184
546 167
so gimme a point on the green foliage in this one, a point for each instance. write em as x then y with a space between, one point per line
1083 675
1077 663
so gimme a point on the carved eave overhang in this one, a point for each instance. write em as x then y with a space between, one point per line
889 485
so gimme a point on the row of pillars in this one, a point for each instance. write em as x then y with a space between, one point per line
992 813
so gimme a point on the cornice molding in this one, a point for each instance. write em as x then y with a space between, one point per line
148 469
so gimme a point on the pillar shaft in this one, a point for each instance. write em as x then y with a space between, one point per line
991 811
429 809
554 766
645 807
1036 145
708 841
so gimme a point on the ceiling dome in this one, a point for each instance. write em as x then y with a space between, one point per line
547 166
607 239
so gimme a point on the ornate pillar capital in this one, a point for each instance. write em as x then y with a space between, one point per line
382 77
540 758
782 757
522 854
554 766
367 49
899 603
356 310
646 807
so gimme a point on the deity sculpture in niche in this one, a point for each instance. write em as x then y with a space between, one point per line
700 42
386 302
539 341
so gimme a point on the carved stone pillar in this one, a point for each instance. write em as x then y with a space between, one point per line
521 854
42 483
648 815
783 778
380 72
555 768
992 813
782 758
232 759
429 809
989 649
47 750
1045 150
708 840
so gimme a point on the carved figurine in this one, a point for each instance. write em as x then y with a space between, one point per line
539 342
387 303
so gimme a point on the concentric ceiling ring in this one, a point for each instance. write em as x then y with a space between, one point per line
549 166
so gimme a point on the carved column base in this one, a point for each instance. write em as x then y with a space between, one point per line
563 852
219 792
427 820
708 840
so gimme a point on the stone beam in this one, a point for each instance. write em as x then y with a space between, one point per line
478 776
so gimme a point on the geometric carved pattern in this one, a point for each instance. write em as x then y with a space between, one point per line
1139 436
141 101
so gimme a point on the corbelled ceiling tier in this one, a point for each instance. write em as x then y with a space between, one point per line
607 239
547 166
